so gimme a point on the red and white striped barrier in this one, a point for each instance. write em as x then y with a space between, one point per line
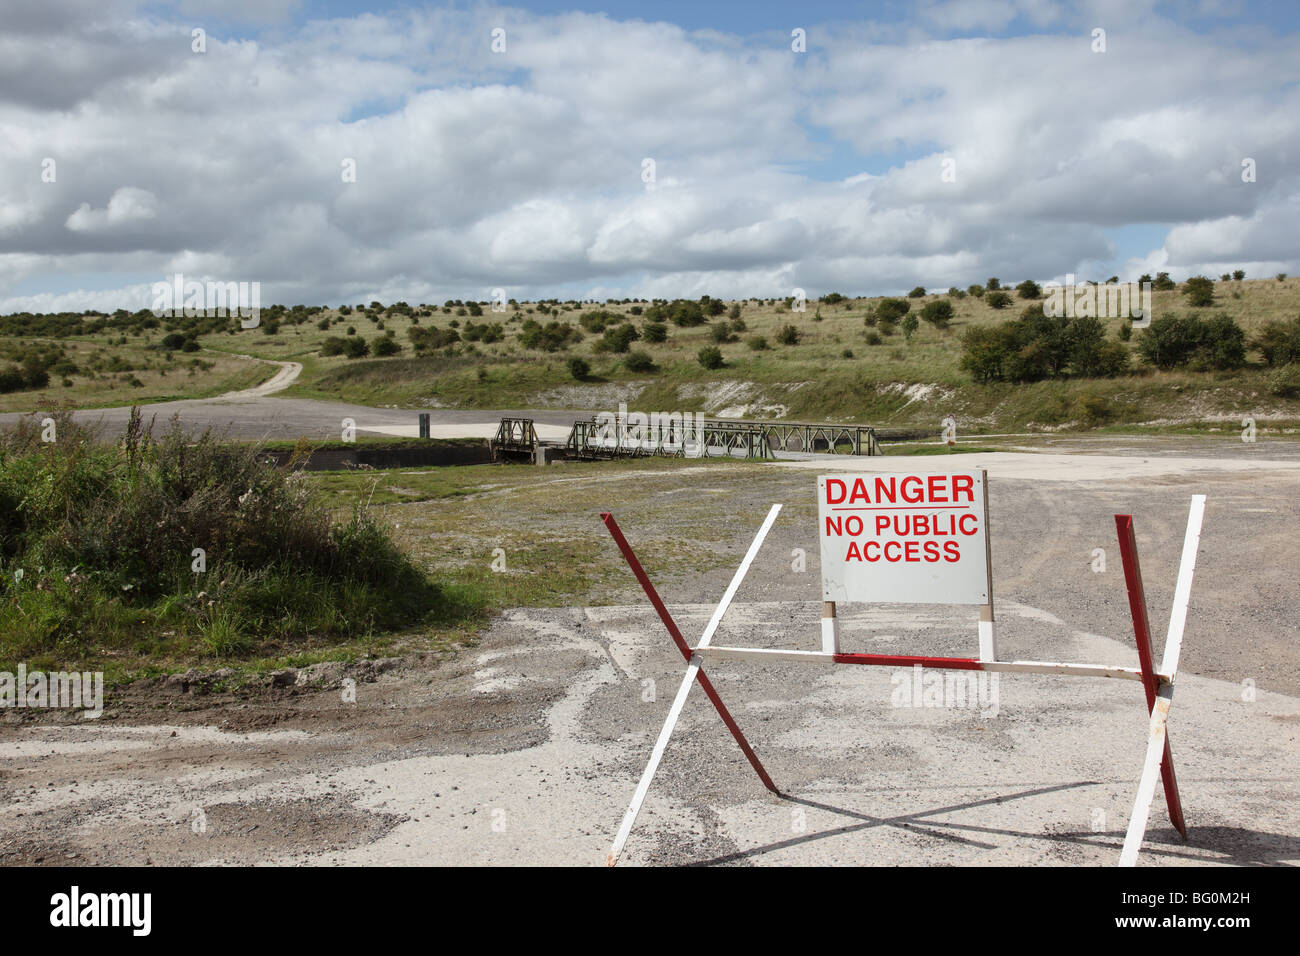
902 568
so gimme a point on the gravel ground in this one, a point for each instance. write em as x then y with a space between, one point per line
526 747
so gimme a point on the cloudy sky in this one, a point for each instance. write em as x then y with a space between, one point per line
344 151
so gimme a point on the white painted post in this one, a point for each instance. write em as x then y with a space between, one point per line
830 629
1183 591
1137 821
988 638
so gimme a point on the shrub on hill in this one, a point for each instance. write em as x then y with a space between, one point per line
1190 341
551 337
1036 347
938 313
1199 290
428 338
710 357
891 310
618 338
1279 342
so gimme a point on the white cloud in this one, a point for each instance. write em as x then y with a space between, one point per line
523 169
126 206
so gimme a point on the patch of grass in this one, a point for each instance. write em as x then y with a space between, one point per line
186 548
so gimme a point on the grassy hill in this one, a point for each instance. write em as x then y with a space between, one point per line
838 369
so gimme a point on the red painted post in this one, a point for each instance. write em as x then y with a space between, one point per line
676 634
1137 605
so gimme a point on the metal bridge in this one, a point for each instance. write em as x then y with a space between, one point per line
810 438
516 439
613 439
594 438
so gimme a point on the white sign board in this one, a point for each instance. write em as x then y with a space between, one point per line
904 538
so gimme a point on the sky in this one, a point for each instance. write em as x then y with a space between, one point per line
343 151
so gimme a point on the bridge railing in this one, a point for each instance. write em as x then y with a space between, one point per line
733 435
514 437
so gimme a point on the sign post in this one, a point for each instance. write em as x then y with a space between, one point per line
924 539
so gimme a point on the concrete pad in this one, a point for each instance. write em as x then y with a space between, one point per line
1046 467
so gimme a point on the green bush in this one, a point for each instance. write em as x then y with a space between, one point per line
596 322
485 332
654 332
1199 290
917 292
710 357
551 337
757 343
579 367
638 361
998 299
427 338
618 338
355 347
938 313
789 335
1029 289
712 306
720 333
1279 342
106 535
680 312
1284 381
1036 347
910 325
1190 341
386 346
891 310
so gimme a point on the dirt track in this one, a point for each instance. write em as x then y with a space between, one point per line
526 748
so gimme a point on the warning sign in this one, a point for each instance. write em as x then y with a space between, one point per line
904 538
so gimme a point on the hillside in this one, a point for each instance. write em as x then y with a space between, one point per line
837 367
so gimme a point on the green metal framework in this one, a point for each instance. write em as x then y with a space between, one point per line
515 438
592 439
